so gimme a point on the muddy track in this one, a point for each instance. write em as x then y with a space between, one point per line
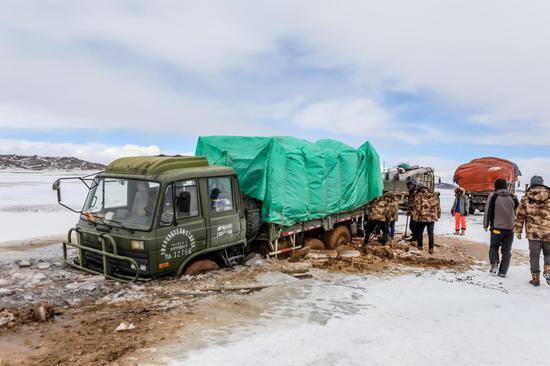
83 331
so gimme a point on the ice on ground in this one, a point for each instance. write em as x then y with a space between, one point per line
28 205
437 318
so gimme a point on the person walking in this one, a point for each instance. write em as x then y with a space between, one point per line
460 209
426 211
500 213
534 213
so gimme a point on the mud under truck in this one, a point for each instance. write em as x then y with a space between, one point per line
146 217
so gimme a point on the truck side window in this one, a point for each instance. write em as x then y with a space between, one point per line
221 194
186 192
167 215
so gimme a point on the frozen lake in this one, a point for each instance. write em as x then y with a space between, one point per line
28 205
433 318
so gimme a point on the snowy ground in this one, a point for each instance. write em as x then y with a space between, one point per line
435 318
28 205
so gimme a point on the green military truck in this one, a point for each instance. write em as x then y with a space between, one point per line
146 217
395 180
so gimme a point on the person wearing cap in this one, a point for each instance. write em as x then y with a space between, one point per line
411 186
426 211
534 213
500 213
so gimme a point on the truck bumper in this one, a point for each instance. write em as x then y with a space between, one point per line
105 262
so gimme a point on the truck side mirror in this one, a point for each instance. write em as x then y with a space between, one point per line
184 202
56 186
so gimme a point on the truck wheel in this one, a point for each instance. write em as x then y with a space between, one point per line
471 210
338 236
253 213
201 266
314 243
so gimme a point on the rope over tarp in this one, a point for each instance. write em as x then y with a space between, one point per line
295 179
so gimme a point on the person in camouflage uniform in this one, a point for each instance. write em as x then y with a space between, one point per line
378 217
534 213
411 186
426 211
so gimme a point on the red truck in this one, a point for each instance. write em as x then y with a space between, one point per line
478 177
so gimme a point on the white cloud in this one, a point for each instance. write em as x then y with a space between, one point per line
489 57
97 153
533 166
354 117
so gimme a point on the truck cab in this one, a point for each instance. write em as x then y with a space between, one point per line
145 217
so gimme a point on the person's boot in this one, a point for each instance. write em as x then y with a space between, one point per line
463 232
431 250
546 273
457 232
536 279
494 269
420 247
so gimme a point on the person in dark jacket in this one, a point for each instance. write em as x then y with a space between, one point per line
460 209
500 215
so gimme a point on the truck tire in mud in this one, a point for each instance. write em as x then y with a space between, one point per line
338 236
253 215
201 266
314 243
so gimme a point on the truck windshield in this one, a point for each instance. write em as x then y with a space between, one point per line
131 203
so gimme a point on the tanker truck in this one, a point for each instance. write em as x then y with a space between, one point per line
147 217
479 175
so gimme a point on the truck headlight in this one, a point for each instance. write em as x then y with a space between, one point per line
138 245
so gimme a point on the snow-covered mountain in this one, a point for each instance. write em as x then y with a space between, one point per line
36 162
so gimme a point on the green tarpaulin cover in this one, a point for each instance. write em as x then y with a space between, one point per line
295 179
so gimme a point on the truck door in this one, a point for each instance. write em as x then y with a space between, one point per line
182 227
225 226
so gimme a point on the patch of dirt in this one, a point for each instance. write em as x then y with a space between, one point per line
84 333
26 245
451 253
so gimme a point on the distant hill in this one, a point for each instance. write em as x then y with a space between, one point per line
36 162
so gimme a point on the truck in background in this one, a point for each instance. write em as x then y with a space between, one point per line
479 175
395 180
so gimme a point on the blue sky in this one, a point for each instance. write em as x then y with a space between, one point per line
432 83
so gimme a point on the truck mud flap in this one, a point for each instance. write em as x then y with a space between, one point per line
103 252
